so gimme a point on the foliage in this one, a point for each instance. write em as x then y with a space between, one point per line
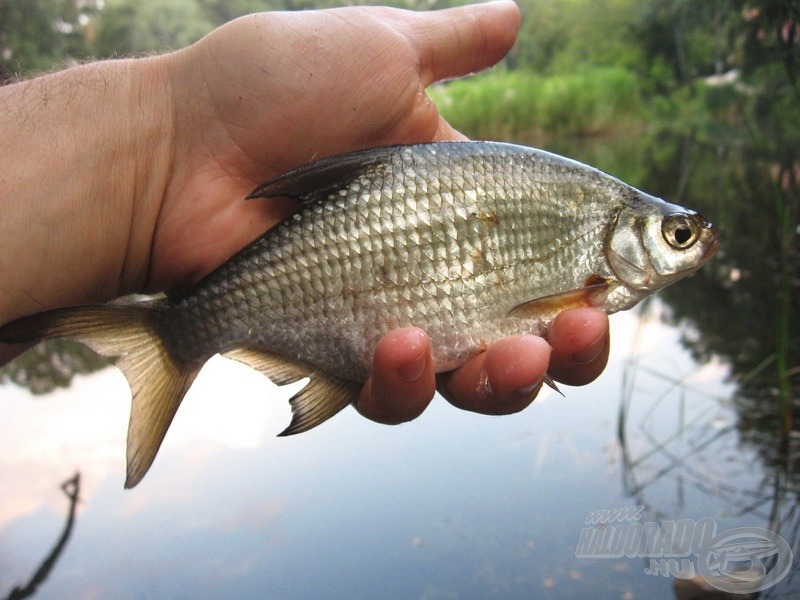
587 101
557 36
668 46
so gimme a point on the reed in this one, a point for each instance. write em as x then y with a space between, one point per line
587 101
787 219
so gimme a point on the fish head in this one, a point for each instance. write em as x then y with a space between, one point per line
653 243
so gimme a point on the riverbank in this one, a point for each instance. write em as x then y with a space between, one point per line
596 101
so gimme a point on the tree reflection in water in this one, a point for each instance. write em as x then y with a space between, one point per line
742 309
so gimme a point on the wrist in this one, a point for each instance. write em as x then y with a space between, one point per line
75 145
148 161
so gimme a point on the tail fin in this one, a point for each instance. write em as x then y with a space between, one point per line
126 333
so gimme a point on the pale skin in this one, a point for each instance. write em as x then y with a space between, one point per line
129 176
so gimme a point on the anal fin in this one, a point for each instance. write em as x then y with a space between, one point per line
323 397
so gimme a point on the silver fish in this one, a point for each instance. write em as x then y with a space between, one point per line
471 241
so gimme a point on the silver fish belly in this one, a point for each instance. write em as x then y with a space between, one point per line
471 241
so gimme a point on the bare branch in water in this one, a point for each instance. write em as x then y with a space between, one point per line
71 488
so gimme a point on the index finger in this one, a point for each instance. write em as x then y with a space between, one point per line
580 341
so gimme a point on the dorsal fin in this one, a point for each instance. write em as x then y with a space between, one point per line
322 177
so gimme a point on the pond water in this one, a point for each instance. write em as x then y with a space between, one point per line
694 419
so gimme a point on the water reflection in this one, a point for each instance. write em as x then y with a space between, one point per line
695 417
742 310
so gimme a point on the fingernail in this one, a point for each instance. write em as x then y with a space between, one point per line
412 371
529 389
592 352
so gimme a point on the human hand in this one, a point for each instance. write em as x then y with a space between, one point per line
503 380
257 96
372 91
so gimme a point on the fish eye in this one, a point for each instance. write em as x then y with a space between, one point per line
679 231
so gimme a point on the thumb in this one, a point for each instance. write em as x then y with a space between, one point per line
458 41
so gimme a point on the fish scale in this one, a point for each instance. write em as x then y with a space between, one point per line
471 241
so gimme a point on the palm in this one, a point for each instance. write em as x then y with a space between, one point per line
255 107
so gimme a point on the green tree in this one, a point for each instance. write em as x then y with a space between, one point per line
557 37
693 37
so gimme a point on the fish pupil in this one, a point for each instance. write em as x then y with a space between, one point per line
682 235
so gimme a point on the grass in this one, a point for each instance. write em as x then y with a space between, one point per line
588 101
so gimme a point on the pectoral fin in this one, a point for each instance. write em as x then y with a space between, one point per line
547 307
317 402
